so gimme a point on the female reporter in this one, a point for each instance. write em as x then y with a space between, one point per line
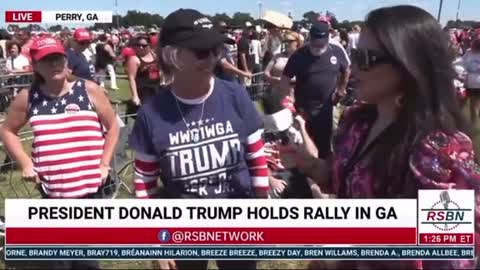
411 134
70 152
201 135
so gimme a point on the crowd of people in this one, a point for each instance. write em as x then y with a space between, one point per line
198 134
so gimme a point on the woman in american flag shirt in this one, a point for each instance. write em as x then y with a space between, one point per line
74 128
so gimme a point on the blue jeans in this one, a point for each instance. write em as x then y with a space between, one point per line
319 125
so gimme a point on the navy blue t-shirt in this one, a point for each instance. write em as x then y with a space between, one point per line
215 166
316 76
79 65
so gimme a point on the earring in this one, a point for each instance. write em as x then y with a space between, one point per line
398 101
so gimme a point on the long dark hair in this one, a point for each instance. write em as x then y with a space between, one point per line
415 40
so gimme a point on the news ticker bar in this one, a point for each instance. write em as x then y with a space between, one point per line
58 16
237 253
229 236
363 222
213 236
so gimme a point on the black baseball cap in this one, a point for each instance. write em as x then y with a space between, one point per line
319 30
190 29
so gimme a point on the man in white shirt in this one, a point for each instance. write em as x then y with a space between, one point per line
353 37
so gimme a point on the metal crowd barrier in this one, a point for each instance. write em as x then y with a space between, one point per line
13 186
9 85
16 80
256 87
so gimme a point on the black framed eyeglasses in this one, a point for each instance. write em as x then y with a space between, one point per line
205 53
366 59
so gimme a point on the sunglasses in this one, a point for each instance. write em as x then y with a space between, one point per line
205 53
366 59
84 43
142 46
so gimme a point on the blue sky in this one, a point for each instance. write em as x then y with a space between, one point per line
344 9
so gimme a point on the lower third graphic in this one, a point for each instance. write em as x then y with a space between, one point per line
164 236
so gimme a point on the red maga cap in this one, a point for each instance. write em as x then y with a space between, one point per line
44 46
82 34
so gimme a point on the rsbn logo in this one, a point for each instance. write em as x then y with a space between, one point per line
164 236
446 214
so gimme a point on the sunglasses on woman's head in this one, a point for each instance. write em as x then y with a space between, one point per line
366 59
205 53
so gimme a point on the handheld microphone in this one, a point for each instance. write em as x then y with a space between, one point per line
445 199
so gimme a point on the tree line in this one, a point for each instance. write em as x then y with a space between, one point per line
463 24
237 20
138 18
